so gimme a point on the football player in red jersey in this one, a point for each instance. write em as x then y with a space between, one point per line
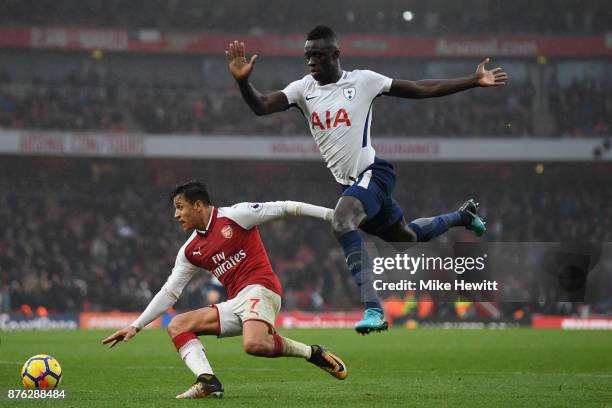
226 242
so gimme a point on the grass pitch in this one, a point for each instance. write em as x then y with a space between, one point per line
427 367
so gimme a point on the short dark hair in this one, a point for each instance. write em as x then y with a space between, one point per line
192 190
319 32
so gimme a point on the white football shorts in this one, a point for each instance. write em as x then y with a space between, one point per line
254 302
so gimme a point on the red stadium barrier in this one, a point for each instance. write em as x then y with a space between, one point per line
319 320
572 323
110 320
354 45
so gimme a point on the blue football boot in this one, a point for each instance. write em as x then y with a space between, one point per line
476 224
373 320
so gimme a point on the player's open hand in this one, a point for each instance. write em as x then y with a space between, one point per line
238 65
124 334
493 77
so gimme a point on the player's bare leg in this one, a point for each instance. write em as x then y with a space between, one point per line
348 215
184 329
260 339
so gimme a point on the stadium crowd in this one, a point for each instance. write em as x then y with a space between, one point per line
77 235
582 108
427 18
88 103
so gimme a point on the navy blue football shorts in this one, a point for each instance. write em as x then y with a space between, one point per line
373 187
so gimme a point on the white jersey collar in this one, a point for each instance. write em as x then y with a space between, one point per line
212 215
338 82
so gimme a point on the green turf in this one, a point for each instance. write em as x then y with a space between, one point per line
429 368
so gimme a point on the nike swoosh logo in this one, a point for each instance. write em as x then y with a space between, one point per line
310 97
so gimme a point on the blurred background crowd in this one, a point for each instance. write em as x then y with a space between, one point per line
192 94
97 96
77 234
436 16
97 234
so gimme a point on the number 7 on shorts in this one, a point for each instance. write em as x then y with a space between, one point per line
254 302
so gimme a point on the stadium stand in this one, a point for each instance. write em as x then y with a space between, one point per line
581 108
434 17
79 228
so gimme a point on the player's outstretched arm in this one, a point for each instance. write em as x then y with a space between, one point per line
299 209
431 88
247 215
241 71
163 300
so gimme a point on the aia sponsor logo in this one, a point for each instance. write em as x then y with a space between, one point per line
227 231
340 117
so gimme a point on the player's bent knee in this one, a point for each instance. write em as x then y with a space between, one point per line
341 225
176 326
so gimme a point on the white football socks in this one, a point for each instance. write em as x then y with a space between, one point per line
292 348
193 355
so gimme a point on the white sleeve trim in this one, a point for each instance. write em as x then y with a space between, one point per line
247 215
387 85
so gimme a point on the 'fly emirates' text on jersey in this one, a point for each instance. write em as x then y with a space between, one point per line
339 115
231 250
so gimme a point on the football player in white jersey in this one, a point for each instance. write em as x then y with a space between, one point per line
338 107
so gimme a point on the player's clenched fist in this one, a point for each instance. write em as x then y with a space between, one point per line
238 65
124 334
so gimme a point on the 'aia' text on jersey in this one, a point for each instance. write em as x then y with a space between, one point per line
340 115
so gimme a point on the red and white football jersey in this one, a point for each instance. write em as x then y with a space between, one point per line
230 249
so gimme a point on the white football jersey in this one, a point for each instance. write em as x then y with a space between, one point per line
339 116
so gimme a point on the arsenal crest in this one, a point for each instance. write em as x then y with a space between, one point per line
349 93
227 231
